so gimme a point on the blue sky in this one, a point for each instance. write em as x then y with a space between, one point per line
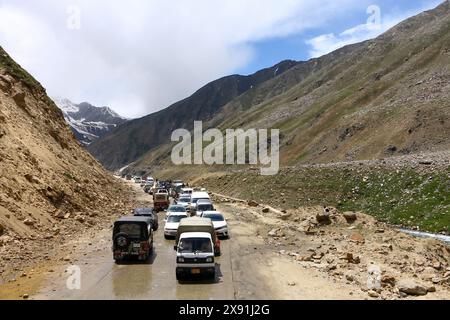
271 51
140 56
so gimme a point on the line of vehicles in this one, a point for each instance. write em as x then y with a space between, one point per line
190 219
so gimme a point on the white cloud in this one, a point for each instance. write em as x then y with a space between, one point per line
140 56
327 43
377 24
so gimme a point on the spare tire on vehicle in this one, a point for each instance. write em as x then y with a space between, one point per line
122 240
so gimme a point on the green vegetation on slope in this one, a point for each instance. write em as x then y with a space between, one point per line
401 197
17 71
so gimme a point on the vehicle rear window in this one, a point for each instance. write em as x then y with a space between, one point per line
175 218
131 229
205 207
143 211
214 217
196 200
177 209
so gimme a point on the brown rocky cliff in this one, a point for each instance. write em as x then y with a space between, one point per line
48 182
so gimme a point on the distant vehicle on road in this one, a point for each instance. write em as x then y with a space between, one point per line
137 179
194 199
184 201
148 188
172 223
186 191
176 188
219 222
175 208
161 200
149 213
132 236
203 205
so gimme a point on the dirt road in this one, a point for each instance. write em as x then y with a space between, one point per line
263 259
249 269
101 278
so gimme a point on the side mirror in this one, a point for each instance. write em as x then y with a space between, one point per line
175 248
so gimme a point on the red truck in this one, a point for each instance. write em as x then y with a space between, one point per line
161 200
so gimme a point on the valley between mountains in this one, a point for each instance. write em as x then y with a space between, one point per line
362 194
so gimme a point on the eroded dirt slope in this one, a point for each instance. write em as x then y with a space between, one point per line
50 187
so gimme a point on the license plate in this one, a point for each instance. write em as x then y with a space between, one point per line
136 245
195 271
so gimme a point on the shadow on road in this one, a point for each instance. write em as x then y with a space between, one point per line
203 280
133 260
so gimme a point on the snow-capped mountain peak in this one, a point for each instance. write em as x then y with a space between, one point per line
88 122
66 105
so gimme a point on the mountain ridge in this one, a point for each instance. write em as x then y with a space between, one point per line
87 122
362 101
133 139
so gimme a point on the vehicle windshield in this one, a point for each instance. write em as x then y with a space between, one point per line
131 229
143 212
184 200
195 245
175 218
214 217
177 209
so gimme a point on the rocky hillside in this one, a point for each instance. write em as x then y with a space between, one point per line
137 137
88 123
407 191
383 97
50 187
380 98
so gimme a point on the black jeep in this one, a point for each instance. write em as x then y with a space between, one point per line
149 213
132 236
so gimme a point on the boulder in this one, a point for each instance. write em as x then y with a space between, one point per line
285 216
252 203
28 222
357 237
351 258
273 233
80 218
388 281
266 210
412 287
350 217
5 239
323 218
